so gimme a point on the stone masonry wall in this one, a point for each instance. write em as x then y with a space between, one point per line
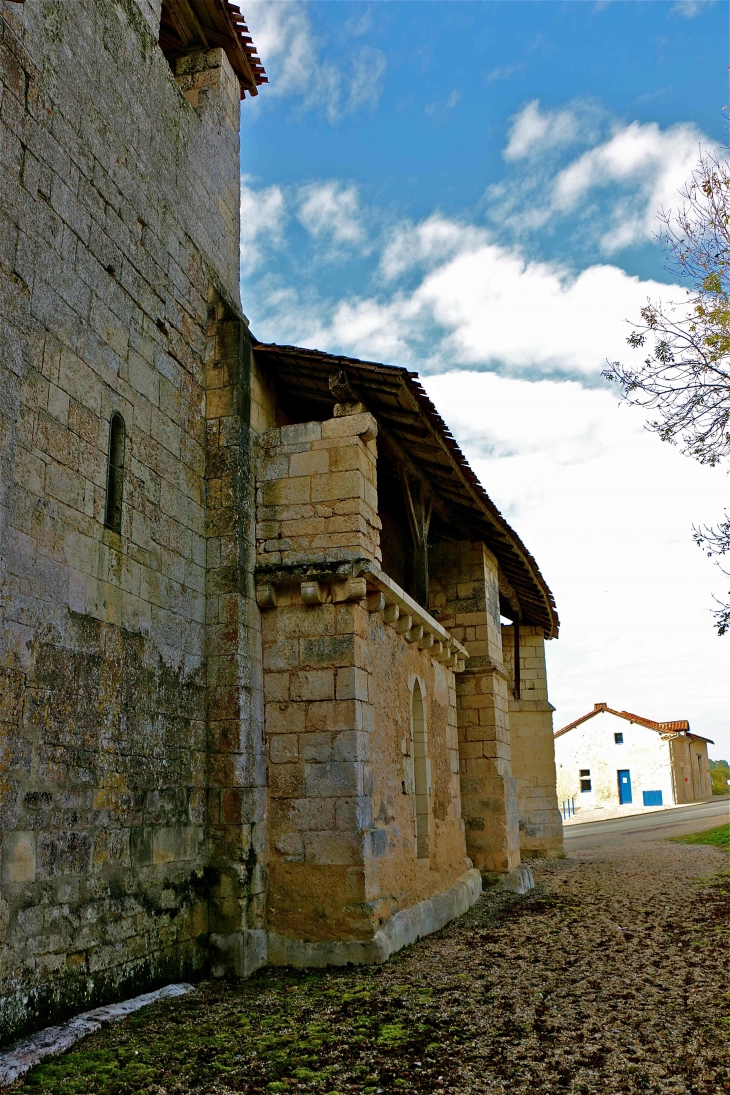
340 665
120 207
532 745
338 685
317 492
464 586
237 842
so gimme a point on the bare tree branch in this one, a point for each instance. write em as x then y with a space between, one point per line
685 377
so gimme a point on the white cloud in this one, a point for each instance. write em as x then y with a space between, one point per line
360 22
501 309
367 68
690 8
263 216
607 509
479 304
536 128
504 72
291 55
428 243
439 109
650 164
612 191
330 211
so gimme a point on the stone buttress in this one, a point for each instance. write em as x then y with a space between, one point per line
465 592
531 742
365 818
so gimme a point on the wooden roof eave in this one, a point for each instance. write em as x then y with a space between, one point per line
208 24
412 408
494 518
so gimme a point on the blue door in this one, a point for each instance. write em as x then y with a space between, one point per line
624 786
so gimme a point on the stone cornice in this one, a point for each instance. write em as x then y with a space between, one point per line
361 580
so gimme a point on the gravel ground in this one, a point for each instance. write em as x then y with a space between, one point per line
611 977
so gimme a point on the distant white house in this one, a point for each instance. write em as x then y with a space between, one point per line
613 758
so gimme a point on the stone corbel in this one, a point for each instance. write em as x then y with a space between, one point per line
266 596
391 614
352 589
371 432
343 410
313 593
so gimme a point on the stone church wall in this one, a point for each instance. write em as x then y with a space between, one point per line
340 667
120 209
136 767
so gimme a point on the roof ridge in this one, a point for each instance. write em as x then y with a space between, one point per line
652 724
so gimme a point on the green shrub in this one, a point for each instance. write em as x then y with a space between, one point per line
720 774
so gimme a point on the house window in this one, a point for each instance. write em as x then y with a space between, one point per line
585 779
618 738
421 772
115 474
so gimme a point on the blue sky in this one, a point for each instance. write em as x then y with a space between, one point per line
470 189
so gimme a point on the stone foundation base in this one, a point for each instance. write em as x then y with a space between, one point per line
401 930
518 880
240 954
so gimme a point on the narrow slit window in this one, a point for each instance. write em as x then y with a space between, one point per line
115 474
585 780
421 773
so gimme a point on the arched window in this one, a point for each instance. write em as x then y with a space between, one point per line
115 474
421 772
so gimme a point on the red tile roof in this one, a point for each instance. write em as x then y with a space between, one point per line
677 726
247 46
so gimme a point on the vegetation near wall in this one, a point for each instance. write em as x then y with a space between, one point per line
720 774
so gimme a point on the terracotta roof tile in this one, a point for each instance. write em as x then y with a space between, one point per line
677 726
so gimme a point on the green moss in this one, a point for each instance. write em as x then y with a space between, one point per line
393 1034
316 1032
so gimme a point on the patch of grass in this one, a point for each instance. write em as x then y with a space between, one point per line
720 837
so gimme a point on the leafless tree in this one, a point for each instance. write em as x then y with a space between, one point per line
685 378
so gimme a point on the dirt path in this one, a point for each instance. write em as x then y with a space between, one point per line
612 977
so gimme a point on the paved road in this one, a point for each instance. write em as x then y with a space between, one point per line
663 823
